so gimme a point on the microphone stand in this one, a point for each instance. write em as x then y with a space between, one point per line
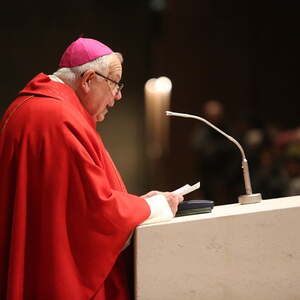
249 197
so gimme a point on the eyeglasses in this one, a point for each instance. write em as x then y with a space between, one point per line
119 84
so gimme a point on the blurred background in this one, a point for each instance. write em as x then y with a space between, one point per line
232 62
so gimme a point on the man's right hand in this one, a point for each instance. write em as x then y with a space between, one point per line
172 199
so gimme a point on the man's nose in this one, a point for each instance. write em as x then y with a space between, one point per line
118 95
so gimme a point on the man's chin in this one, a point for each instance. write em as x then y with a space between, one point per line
100 117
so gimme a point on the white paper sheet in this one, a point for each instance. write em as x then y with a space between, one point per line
186 189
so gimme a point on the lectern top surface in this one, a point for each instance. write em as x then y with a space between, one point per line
236 209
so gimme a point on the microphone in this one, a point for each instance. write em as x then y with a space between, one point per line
249 197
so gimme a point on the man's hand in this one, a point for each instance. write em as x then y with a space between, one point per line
173 199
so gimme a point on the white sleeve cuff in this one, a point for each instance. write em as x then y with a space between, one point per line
160 209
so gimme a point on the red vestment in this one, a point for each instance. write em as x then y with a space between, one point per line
65 214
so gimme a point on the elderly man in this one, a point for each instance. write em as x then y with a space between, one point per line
65 214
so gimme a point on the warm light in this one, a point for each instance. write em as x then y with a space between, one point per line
157 101
150 85
160 85
163 85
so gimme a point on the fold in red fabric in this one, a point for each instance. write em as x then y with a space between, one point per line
65 214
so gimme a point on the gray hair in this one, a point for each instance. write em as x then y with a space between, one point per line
100 64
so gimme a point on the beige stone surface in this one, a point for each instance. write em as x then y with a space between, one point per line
237 252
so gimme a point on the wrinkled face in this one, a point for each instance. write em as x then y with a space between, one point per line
98 94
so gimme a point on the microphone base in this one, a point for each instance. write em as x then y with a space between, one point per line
250 199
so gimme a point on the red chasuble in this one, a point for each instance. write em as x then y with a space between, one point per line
65 214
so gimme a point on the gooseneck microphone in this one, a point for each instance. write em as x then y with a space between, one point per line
249 197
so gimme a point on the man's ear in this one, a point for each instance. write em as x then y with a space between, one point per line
86 80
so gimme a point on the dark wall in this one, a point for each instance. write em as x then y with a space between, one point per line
34 36
239 52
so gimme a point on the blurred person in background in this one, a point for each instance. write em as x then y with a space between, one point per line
216 158
264 158
292 168
287 144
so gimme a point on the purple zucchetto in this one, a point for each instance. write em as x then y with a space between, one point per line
81 51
